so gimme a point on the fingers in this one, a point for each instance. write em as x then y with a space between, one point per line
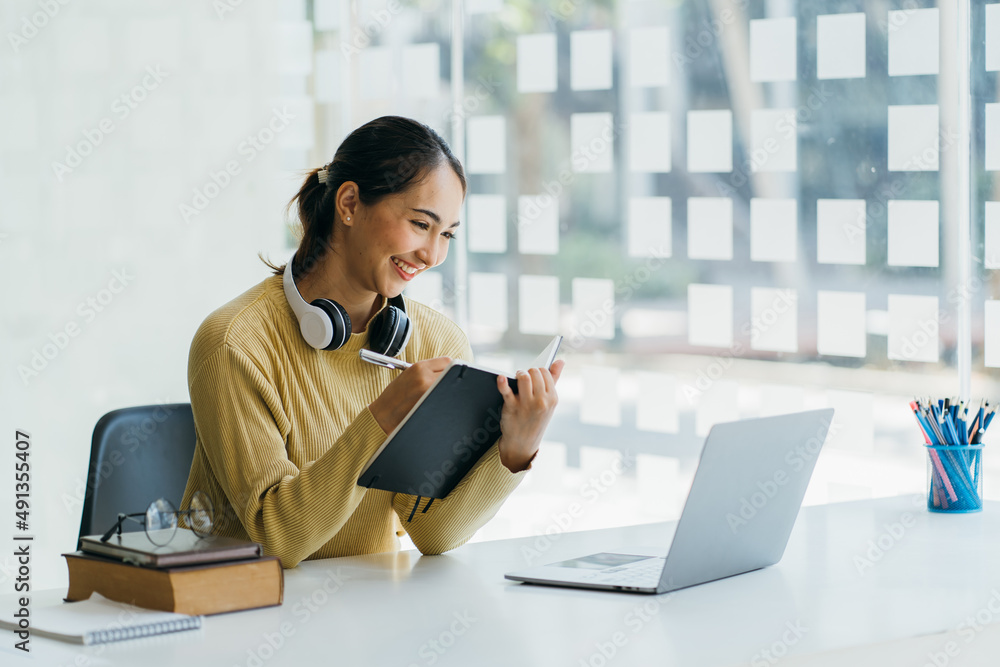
537 382
556 370
505 390
437 364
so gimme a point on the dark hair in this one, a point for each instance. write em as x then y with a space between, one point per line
384 156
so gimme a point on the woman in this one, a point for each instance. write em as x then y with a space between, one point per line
284 429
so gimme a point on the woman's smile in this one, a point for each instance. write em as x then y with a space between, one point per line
405 270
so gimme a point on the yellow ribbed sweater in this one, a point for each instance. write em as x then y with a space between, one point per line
284 430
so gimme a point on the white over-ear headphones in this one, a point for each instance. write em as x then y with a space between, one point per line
325 324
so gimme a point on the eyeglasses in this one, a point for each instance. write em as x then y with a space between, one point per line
160 519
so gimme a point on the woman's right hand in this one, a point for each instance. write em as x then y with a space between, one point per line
397 399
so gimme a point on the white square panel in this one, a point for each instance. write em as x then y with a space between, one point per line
649 142
649 227
20 205
649 56
287 10
224 47
299 134
536 63
914 42
710 228
710 141
600 404
992 37
991 251
840 46
20 110
159 124
840 231
488 301
487 223
590 59
772 49
840 324
487 145
326 14
483 6
326 84
913 328
913 233
991 333
659 483
422 71
155 42
774 140
853 425
375 64
774 319
293 48
992 137
592 142
780 399
594 308
86 47
656 403
538 305
710 315
537 225
913 138
428 289
773 230
716 404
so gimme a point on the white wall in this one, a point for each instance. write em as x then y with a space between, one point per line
65 236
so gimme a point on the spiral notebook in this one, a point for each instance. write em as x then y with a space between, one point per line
99 620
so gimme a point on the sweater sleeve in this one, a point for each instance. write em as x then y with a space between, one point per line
242 427
451 521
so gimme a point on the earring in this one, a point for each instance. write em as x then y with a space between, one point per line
348 218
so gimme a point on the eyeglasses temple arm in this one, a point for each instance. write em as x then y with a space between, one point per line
117 526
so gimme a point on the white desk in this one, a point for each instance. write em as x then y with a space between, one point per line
387 609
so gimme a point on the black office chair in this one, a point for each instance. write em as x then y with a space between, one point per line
137 455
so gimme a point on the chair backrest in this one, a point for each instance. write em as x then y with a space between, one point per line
137 455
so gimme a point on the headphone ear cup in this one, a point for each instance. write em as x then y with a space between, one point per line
339 318
389 332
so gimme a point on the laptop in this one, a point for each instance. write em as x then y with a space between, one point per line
746 493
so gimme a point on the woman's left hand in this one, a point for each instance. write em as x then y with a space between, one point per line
526 413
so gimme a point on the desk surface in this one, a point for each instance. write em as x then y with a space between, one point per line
853 574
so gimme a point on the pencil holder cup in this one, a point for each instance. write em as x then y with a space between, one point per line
954 478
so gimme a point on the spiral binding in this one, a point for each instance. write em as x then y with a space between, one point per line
147 630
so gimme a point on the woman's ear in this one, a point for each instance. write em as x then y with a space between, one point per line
347 202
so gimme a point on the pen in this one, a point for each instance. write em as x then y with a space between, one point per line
383 360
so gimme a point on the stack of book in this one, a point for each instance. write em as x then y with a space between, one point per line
190 575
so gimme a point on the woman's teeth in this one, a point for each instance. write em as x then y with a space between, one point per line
405 267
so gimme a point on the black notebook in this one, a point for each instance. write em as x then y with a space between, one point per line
448 430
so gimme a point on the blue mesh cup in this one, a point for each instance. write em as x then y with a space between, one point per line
954 478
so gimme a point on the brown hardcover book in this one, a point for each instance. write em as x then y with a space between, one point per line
193 589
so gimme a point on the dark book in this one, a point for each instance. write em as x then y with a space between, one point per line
211 588
449 429
184 548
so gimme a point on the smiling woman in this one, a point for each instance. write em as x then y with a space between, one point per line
286 413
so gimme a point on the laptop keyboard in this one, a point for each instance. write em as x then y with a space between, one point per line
641 573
